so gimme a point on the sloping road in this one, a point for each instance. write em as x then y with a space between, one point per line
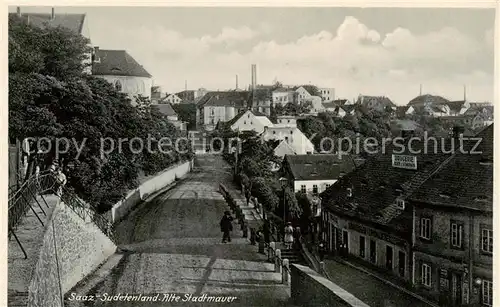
174 247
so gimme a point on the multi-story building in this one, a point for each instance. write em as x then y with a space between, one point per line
378 103
286 121
453 239
292 136
222 106
173 99
314 173
250 121
327 94
121 70
426 218
282 96
167 110
302 95
365 214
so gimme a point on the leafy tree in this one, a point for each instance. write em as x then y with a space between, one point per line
51 97
262 189
187 113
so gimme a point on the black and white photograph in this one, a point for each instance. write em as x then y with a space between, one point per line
285 155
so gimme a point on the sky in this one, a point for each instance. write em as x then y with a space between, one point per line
370 51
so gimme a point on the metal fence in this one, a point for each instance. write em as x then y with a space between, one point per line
30 194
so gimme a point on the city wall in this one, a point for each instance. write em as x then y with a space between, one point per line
72 248
309 288
155 184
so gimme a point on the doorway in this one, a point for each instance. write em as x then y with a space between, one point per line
456 288
401 263
373 251
388 257
345 241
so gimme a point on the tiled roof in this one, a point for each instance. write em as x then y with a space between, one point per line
375 186
281 90
405 124
401 111
73 22
165 109
117 63
420 100
385 101
318 166
465 182
238 98
456 106
186 95
340 102
329 105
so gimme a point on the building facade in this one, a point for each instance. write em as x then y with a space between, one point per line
123 72
300 144
327 94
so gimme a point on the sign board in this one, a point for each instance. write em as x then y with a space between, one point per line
404 161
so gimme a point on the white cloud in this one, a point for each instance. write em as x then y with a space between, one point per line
231 35
352 58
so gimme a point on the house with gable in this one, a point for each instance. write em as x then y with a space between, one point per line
453 235
167 110
173 99
121 70
292 136
283 96
315 173
250 121
286 121
365 214
378 103
302 94
220 106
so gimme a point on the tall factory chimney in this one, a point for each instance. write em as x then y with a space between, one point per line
236 81
254 76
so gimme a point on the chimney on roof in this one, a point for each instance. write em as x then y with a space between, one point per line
19 11
53 14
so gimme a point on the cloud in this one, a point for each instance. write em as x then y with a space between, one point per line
352 58
231 35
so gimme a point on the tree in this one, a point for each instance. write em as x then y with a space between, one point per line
187 113
262 189
51 98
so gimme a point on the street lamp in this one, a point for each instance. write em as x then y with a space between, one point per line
283 181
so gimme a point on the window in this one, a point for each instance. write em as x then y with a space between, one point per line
303 188
400 203
328 185
425 228
426 275
244 122
212 111
251 123
315 189
487 293
362 246
456 234
487 240
118 85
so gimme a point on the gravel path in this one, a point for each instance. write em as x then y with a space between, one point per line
174 248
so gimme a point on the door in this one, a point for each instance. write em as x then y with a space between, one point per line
330 237
401 263
373 251
388 257
456 289
338 239
345 241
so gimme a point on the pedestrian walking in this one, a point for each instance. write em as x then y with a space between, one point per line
226 226
288 235
297 235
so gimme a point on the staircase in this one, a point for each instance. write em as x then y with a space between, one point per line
293 255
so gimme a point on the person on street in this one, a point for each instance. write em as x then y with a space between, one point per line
61 180
226 227
288 235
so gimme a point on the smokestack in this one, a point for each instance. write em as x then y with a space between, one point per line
19 11
420 90
254 76
53 15
186 85
465 94
236 81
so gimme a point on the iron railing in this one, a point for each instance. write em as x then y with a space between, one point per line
24 199
87 212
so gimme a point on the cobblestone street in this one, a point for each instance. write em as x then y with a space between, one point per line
174 246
